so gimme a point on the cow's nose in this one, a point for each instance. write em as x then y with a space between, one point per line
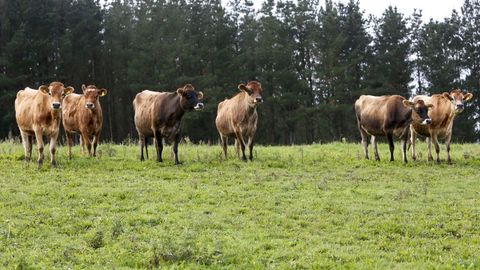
259 99
199 106
428 121
90 105
55 105
460 106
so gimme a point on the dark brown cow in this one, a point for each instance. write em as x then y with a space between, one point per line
159 114
39 112
446 106
237 117
388 116
83 114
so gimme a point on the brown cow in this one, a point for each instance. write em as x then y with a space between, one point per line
446 106
237 117
39 112
159 114
388 116
83 114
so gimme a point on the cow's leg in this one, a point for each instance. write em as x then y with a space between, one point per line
250 147
53 150
448 139
142 144
413 140
242 144
404 148
69 143
237 148
146 146
158 145
390 144
437 147
39 137
429 144
364 135
96 137
26 144
86 141
224 142
375 148
30 146
175 148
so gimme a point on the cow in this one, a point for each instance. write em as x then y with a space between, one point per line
237 118
446 107
159 114
83 114
39 112
388 116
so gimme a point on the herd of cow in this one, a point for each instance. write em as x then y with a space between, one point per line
158 115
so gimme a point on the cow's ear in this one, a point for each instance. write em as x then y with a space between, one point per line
102 92
408 103
468 97
180 91
430 106
68 90
43 89
200 95
447 96
243 87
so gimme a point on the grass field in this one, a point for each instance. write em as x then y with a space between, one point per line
296 207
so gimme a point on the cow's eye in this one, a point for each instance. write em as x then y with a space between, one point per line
49 93
63 95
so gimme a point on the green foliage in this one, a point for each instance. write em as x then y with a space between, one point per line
317 206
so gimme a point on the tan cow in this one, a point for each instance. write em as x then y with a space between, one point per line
445 107
388 116
237 117
83 114
39 112
159 114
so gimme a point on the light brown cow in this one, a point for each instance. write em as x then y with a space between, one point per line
159 114
237 117
445 107
39 112
83 114
388 116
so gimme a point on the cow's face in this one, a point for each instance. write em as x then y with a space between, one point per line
419 111
56 92
458 99
254 90
91 94
189 98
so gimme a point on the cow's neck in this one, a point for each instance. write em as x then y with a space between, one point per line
56 115
249 110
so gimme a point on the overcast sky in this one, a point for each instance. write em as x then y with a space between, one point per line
436 9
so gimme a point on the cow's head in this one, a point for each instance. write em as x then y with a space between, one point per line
254 90
458 99
189 98
56 92
419 111
91 94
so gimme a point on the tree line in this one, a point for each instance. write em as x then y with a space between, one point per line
313 59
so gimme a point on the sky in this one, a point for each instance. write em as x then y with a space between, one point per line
436 9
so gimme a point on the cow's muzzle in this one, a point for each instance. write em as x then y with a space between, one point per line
426 121
258 100
459 108
199 106
56 105
90 106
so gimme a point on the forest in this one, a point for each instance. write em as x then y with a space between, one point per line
313 58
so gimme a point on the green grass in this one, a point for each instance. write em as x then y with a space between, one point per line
297 207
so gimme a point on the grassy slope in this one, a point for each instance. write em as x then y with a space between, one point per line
319 206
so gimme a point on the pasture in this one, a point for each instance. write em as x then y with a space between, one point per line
293 207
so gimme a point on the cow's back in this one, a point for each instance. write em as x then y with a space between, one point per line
144 106
71 108
25 106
